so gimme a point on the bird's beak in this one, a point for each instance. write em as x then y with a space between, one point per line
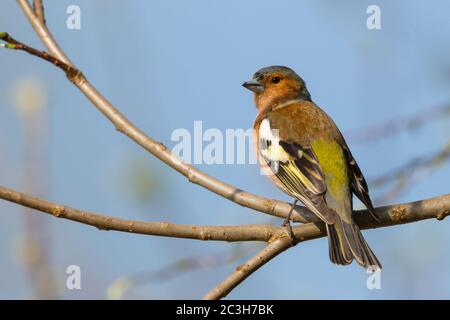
254 85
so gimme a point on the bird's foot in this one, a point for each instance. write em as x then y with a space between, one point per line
287 223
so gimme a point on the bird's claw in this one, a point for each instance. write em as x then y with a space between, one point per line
286 223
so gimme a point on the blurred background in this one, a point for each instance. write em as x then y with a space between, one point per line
166 64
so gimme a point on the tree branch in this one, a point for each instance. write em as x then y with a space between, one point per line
438 207
43 33
39 10
219 233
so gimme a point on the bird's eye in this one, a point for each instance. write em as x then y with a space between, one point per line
276 79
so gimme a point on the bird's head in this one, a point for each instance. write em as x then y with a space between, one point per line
276 84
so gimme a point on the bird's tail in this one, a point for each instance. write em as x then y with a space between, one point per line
346 243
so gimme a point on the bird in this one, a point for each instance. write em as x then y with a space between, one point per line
305 155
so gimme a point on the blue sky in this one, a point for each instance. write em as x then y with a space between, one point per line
167 64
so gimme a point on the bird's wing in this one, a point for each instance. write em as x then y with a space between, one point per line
358 182
296 167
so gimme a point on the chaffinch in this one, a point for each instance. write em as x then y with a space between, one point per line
308 158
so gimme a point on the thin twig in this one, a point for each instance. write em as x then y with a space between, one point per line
399 124
122 285
419 163
244 271
409 174
14 44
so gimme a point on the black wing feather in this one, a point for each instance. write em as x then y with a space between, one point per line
359 184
